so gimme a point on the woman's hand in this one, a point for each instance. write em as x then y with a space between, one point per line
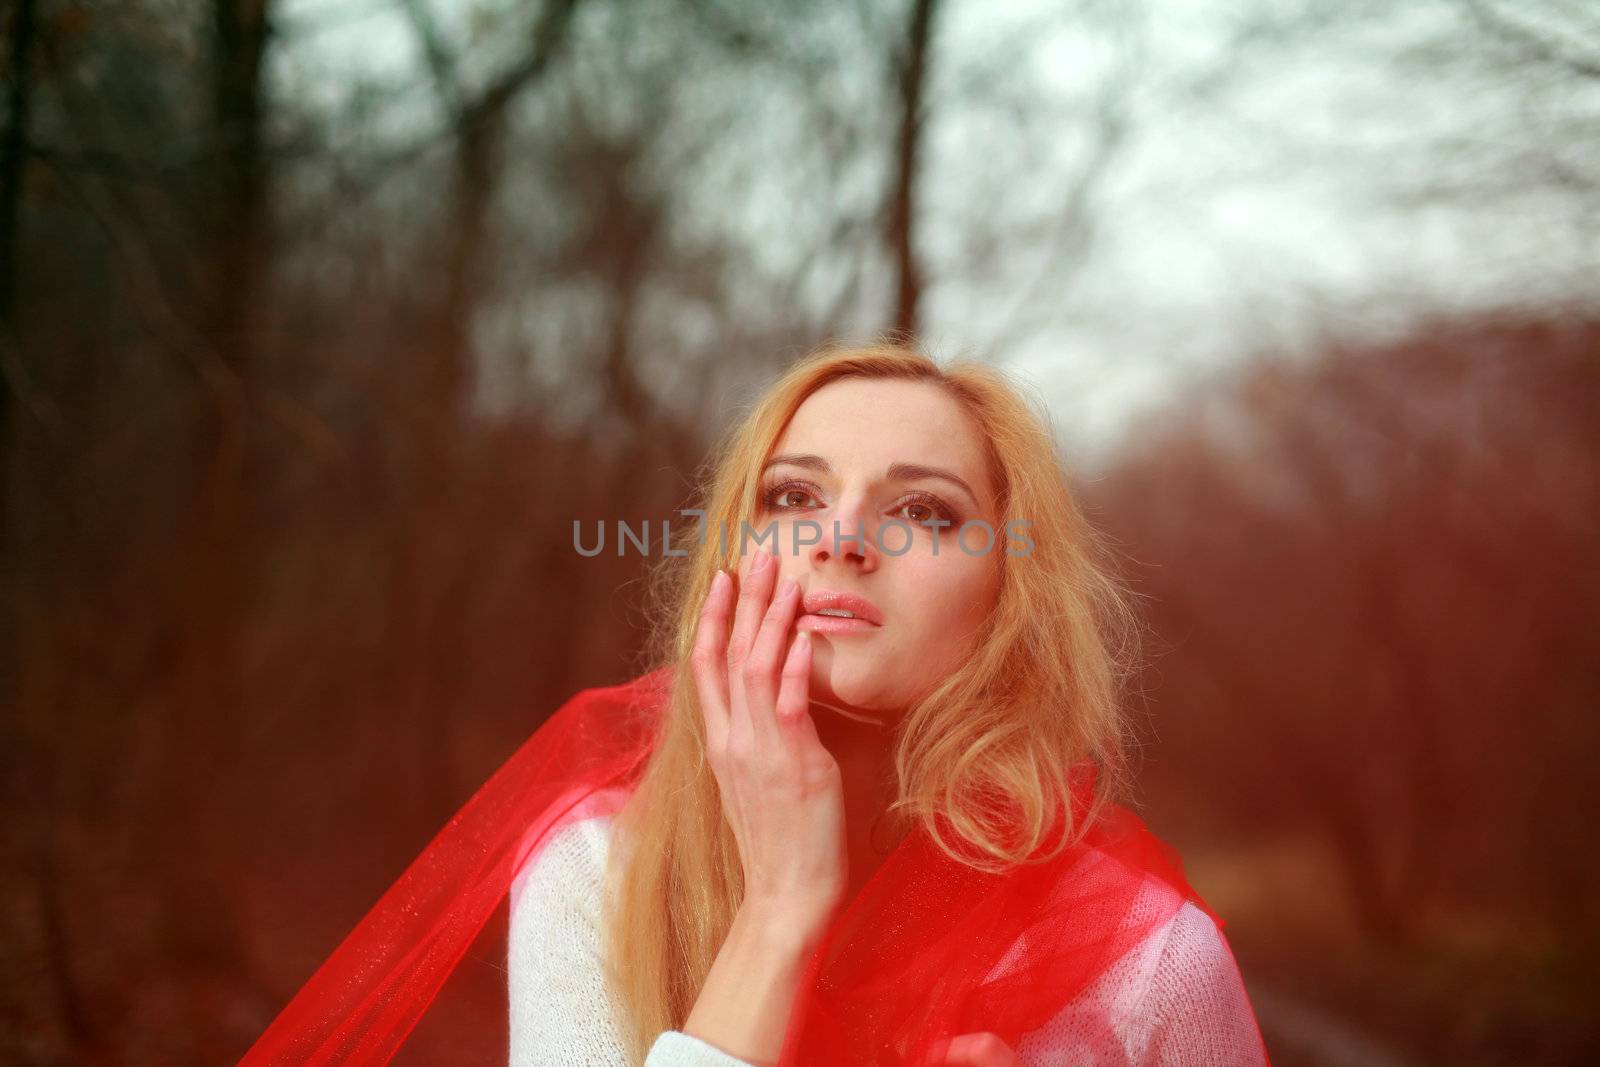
974 1050
782 793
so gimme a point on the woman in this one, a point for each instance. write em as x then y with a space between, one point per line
798 749
864 809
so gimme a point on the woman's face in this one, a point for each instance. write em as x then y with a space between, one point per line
836 463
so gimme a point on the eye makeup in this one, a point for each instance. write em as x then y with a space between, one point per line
770 494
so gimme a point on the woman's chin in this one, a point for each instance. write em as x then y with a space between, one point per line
852 694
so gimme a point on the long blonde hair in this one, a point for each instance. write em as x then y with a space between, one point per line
1041 692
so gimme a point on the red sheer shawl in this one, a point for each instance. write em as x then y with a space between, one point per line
929 949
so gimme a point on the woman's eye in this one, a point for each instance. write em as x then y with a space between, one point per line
787 496
784 501
919 512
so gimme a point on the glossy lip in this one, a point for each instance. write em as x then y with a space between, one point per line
867 615
832 624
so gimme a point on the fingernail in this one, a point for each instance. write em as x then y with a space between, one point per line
719 580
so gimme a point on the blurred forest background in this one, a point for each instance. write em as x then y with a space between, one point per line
321 322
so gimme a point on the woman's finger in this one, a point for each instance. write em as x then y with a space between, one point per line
709 659
762 666
793 708
755 593
976 1050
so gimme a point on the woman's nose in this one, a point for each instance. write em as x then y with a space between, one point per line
848 534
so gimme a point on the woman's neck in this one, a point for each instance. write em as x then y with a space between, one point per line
864 751
865 754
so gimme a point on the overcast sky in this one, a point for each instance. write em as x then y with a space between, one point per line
1353 168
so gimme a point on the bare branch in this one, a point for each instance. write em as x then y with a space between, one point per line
911 74
442 62
1533 42
1074 227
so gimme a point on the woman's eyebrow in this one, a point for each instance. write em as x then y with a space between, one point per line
903 472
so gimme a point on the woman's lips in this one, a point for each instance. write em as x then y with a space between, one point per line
833 624
819 600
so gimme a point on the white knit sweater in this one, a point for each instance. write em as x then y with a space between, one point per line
1175 999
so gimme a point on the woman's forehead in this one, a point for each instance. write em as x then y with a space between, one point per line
870 426
858 415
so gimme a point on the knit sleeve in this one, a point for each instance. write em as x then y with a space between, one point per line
561 1009
1175 1000
1196 1008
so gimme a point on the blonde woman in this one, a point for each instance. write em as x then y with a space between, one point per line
863 809
979 664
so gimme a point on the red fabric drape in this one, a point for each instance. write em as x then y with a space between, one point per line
930 948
